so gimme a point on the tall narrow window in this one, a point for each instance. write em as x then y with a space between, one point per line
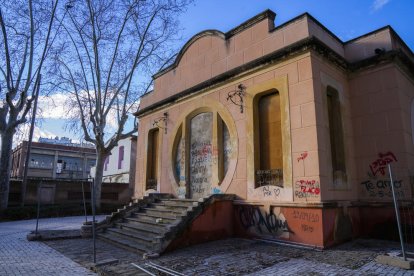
336 134
152 159
270 169
120 157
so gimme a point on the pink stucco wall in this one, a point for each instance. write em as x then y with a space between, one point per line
375 109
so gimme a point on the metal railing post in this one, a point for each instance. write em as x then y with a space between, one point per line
84 203
397 213
38 206
93 220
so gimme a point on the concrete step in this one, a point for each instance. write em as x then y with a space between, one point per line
162 219
136 226
161 226
178 202
124 243
138 235
167 213
174 208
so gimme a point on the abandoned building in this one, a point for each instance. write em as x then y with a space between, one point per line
281 132
55 161
57 164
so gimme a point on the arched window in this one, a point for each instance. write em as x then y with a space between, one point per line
202 150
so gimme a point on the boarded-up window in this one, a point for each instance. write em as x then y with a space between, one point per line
201 134
152 159
270 169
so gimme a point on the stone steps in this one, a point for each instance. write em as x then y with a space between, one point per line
124 243
132 233
152 223
164 212
144 227
161 219
162 206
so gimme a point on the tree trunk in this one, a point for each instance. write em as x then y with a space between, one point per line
5 167
100 161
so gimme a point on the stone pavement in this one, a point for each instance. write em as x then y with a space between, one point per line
226 257
244 257
21 257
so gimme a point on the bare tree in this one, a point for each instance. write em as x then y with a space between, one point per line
108 54
26 30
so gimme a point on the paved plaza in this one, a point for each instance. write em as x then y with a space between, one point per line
228 257
18 256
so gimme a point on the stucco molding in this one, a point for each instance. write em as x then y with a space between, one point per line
305 45
224 36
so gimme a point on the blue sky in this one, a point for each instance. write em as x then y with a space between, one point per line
347 19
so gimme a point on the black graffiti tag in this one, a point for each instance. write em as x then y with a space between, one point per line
252 217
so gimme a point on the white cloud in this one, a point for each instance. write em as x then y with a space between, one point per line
60 106
23 134
54 106
379 4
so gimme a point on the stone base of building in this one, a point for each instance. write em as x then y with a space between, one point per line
319 226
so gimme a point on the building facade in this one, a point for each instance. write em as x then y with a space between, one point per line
119 166
300 125
53 161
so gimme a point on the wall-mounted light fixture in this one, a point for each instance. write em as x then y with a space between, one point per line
161 122
236 97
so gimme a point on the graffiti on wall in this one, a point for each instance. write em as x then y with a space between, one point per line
307 188
270 191
381 188
307 220
378 185
216 191
201 154
379 166
303 156
272 177
257 221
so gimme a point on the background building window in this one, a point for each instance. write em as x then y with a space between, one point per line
41 161
106 163
120 157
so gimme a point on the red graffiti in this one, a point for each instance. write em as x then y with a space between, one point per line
303 156
307 187
310 190
379 165
306 182
206 150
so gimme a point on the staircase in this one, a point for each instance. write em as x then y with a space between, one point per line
150 224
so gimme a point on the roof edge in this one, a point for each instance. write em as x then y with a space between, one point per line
225 36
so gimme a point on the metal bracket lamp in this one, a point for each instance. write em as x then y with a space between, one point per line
161 120
236 97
